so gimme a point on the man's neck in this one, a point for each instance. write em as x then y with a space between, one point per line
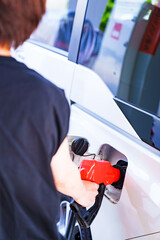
5 52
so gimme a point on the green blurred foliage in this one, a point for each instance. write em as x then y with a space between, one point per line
106 15
149 1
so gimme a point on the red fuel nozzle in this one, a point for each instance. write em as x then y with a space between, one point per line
99 171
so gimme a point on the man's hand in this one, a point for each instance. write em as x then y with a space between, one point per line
68 180
87 198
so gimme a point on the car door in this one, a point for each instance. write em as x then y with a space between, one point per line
115 100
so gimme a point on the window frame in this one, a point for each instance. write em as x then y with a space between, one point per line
75 39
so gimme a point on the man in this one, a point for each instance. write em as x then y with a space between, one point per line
34 154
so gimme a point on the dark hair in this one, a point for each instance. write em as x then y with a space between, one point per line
18 19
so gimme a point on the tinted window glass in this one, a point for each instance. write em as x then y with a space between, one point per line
56 25
123 48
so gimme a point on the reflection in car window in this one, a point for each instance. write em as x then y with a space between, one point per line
126 55
56 25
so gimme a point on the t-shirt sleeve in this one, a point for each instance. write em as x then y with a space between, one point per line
49 114
61 115
58 120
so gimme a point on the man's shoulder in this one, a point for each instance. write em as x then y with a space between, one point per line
34 89
34 81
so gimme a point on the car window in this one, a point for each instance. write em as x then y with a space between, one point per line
122 39
55 27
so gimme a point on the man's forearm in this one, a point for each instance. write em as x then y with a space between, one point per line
67 177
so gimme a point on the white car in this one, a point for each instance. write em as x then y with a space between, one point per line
105 55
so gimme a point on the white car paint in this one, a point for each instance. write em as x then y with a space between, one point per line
137 213
90 91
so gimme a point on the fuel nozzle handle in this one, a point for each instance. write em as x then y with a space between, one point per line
99 171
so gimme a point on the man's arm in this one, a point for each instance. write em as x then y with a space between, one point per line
67 178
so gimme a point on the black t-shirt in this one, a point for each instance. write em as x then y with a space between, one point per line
34 119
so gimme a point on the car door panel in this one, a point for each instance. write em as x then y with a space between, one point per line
137 212
89 91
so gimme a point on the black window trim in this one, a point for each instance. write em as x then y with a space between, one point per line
146 112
